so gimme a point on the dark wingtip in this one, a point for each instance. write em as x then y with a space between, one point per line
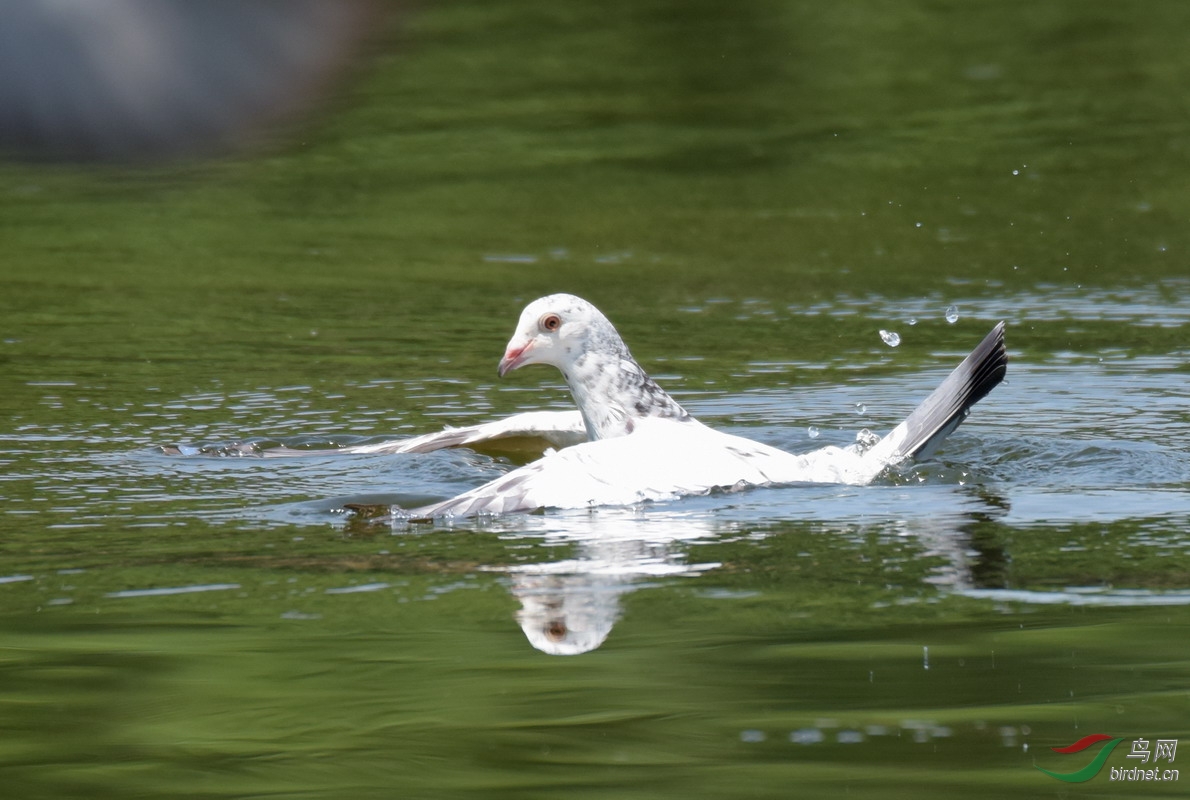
947 406
991 358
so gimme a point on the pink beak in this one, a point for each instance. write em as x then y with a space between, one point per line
513 358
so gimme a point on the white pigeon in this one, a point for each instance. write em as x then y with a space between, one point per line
643 446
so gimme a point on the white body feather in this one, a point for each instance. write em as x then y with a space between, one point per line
662 459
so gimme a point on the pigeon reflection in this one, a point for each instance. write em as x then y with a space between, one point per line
569 607
963 543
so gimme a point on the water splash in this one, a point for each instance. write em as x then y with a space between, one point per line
890 338
865 439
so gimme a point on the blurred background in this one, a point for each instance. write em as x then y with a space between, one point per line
810 150
133 80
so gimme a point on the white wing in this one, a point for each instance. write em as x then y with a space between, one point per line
938 415
530 431
662 459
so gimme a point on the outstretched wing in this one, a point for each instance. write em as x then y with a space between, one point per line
528 434
529 431
663 459
947 406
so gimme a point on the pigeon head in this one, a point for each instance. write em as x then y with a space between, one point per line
558 330
609 387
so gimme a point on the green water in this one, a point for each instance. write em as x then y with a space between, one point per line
751 192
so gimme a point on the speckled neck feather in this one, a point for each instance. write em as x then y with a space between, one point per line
609 386
611 390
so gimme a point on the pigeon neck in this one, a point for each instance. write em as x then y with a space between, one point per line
611 391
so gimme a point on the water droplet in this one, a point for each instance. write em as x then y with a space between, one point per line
812 432
865 439
911 321
861 409
1016 172
925 657
891 338
917 224
952 314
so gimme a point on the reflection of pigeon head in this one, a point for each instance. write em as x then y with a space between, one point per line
569 607
565 615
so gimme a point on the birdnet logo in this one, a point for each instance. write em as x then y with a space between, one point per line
1162 749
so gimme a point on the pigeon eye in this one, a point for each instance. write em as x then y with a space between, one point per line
550 322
